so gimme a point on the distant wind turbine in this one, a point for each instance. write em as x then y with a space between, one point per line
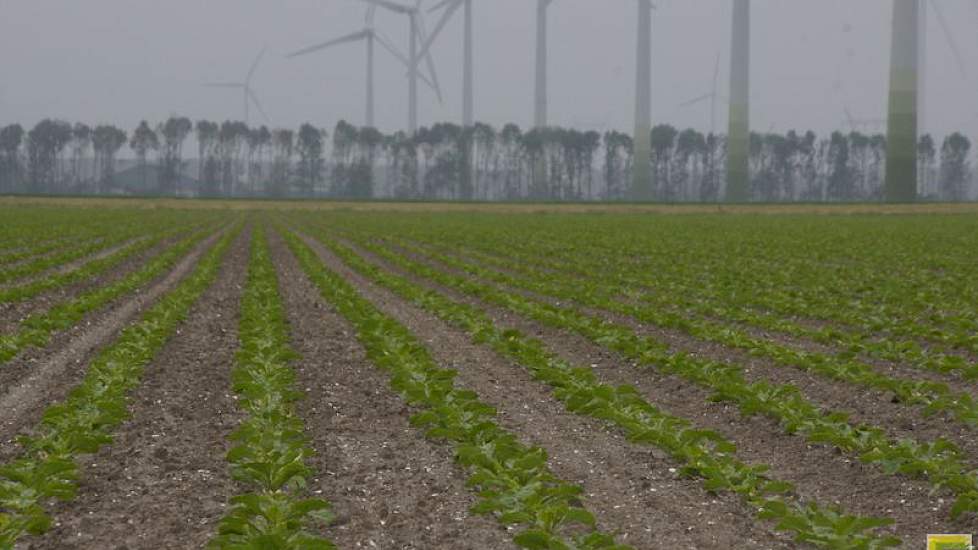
712 96
371 37
468 85
249 94
415 33
738 134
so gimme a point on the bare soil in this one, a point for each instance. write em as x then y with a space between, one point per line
40 376
390 486
634 491
163 482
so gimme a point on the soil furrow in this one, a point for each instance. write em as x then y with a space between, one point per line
632 490
39 376
390 486
820 473
164 482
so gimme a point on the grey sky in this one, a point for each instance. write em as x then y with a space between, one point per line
122 60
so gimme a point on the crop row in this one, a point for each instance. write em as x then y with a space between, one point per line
939 461
731 303
916 293
270 449
703 453
36 330
27 290
513 481
85 420
933 396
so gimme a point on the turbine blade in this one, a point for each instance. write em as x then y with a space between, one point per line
949 36
352 37
430 60
383 40
254 65
440 5
696 100
254 99
368 18
398 8
223 85
445 17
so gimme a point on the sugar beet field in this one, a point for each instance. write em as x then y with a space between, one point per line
258 379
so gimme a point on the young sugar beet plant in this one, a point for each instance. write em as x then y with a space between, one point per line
513 481
704 453
932 396
270 450
36 330
939 462
83 423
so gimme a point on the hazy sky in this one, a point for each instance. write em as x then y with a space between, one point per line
122 60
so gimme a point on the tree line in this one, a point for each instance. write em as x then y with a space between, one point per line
448 162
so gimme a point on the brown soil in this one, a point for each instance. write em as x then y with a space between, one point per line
39 376
820 473
389 486
632 490
163 482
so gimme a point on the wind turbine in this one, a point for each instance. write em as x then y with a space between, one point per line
372 37
642 165
249 94
451 7
738 134
415 32
712 96
367 34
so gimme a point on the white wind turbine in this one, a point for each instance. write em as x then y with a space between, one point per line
415 34
371 37
249 94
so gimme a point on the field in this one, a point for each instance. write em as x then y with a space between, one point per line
303 375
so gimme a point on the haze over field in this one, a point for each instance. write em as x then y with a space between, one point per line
120 61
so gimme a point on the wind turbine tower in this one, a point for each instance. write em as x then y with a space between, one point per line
642 165
540 92
738 134
901 150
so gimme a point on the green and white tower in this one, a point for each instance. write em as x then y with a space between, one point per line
738 134
642 165
901 149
